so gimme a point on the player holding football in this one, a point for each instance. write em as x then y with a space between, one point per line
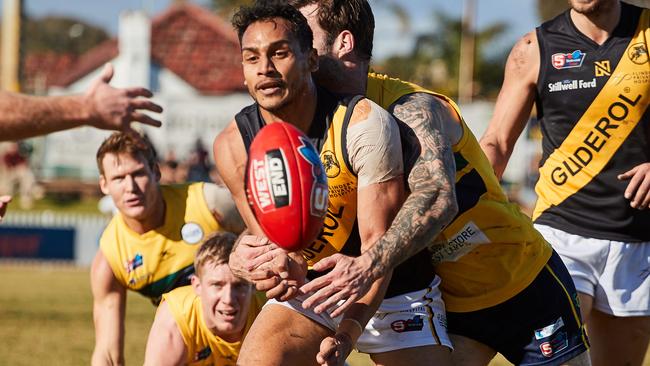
360 143
498 274
149 245
204 323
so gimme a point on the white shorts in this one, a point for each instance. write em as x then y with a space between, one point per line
409 320
614 273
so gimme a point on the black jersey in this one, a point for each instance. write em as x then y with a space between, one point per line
592 103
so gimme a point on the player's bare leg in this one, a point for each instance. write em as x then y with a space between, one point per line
468 352
415 356
281 336
618 340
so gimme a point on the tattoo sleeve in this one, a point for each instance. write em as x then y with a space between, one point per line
432 202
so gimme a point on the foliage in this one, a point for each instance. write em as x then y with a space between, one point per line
548 9
60 35
434 60
227 8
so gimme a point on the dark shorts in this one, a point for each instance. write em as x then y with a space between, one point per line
539 326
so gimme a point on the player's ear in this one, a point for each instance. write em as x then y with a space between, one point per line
103 184
156 171
196 283
344 43
313 60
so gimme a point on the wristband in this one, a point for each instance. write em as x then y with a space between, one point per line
355 322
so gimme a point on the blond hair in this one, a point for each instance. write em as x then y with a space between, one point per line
215 250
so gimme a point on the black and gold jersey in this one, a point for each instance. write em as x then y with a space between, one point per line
592 103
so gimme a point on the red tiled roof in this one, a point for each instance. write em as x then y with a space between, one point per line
192 42
40 69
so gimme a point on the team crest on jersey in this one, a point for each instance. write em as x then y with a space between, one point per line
409 325
134 263
203 354
638 53
558 343
332 167
191 233
570 60
602 68
319 190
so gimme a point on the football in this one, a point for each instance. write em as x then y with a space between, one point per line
286 185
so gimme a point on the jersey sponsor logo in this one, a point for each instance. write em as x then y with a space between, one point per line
460 244
562 61
408 325
272 181
192 233
555 345
319 192
571 85
134 263
549 330
638 53
602 68
203 354
332 166
636 77
597 137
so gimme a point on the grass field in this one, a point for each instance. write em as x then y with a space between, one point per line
46 318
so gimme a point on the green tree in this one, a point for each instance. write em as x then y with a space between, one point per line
60 35
435 57
226 8
548 9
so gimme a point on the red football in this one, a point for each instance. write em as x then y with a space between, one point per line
286 185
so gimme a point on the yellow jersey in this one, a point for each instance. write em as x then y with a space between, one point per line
493 250
161 259
203 347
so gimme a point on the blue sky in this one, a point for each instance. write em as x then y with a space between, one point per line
519 14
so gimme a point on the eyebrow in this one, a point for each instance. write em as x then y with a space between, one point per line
276 43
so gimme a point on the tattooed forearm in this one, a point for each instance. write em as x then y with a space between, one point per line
432 202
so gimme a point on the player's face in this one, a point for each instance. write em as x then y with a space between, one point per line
589 7
225 299
329 66
275 69
131 183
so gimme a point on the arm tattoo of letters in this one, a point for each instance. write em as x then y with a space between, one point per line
432 202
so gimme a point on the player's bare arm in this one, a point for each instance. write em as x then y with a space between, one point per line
430 206
514 103
109 304
222 206
102 106
230 159
165 345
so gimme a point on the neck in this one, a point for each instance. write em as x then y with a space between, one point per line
599 25
155 220
299 112
356 80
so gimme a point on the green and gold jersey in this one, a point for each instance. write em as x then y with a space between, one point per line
203 347
493 251
161 259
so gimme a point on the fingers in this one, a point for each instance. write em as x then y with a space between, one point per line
138 92
145 104
327 353
641 198
107 73
316 284
331 299
143 118
5 199
260 255
271 284
627 175
326 263
345 306
632 186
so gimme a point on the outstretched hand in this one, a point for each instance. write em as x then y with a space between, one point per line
112 108
638 188
349 280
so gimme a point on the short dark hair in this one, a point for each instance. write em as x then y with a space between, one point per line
269 10
335 16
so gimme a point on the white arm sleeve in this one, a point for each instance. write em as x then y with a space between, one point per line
374 147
